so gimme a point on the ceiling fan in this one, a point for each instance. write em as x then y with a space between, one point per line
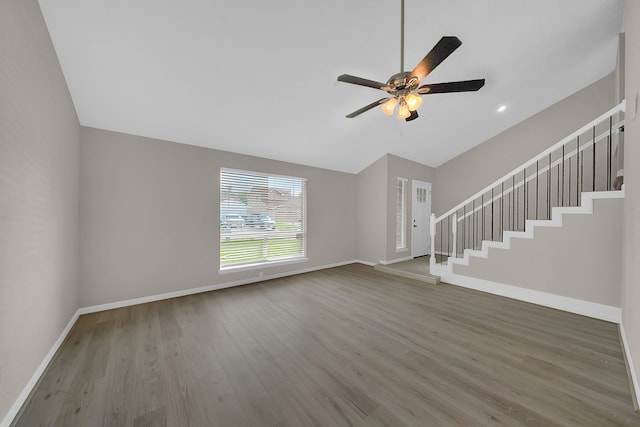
404 87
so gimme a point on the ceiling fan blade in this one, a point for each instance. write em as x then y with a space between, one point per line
413 116
363 82
463 86
439 53
366 108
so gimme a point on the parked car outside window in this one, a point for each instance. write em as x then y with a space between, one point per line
232 221
260 221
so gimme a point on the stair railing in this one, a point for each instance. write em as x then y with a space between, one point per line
583 161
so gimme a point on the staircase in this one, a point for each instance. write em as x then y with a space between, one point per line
562 182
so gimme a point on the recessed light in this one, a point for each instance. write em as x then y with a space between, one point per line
502 108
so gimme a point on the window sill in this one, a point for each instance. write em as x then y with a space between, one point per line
261 265
401 250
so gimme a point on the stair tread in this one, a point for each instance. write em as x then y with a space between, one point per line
482 251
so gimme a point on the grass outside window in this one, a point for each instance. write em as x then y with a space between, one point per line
262 219
255 250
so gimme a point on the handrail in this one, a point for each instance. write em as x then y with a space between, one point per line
540 172
617 109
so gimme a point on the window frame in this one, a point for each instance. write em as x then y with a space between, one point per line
264 263
401 185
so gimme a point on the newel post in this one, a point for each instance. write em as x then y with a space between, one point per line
432 233
454 231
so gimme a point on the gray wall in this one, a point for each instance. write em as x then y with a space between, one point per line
548 262
471 171
149 209
38 197
398 167
372 211
631 243
149 216
376 211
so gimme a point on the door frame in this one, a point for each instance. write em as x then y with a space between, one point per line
415 183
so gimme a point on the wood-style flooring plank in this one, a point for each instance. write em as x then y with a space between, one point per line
256 401
397 385
347 346
417 402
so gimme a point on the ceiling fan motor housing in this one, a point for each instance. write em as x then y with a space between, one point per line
399 82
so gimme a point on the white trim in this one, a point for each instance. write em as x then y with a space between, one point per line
360 261
543 171
26 391
559 144
632 369
259 265
585 208
403 215
415 211
612 314
395 261
28 388
559 302
303 231
185 292
263 174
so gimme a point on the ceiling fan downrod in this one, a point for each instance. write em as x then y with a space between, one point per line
401 36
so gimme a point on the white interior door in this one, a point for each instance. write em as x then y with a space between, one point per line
420 211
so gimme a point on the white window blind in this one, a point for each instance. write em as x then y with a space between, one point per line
401 214
262 218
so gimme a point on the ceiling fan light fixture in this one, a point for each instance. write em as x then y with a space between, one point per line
413 101
403 110
389 106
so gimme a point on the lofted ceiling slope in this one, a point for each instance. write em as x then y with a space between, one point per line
259 78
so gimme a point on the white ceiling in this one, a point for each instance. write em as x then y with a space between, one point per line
259 77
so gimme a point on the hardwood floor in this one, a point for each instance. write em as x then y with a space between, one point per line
341 347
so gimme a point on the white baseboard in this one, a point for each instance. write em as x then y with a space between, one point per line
15 408
369 263
395 261
586 207
599 311
631 368
559 302
26 391
185 292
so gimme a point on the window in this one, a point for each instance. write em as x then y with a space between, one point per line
262 219
401 214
